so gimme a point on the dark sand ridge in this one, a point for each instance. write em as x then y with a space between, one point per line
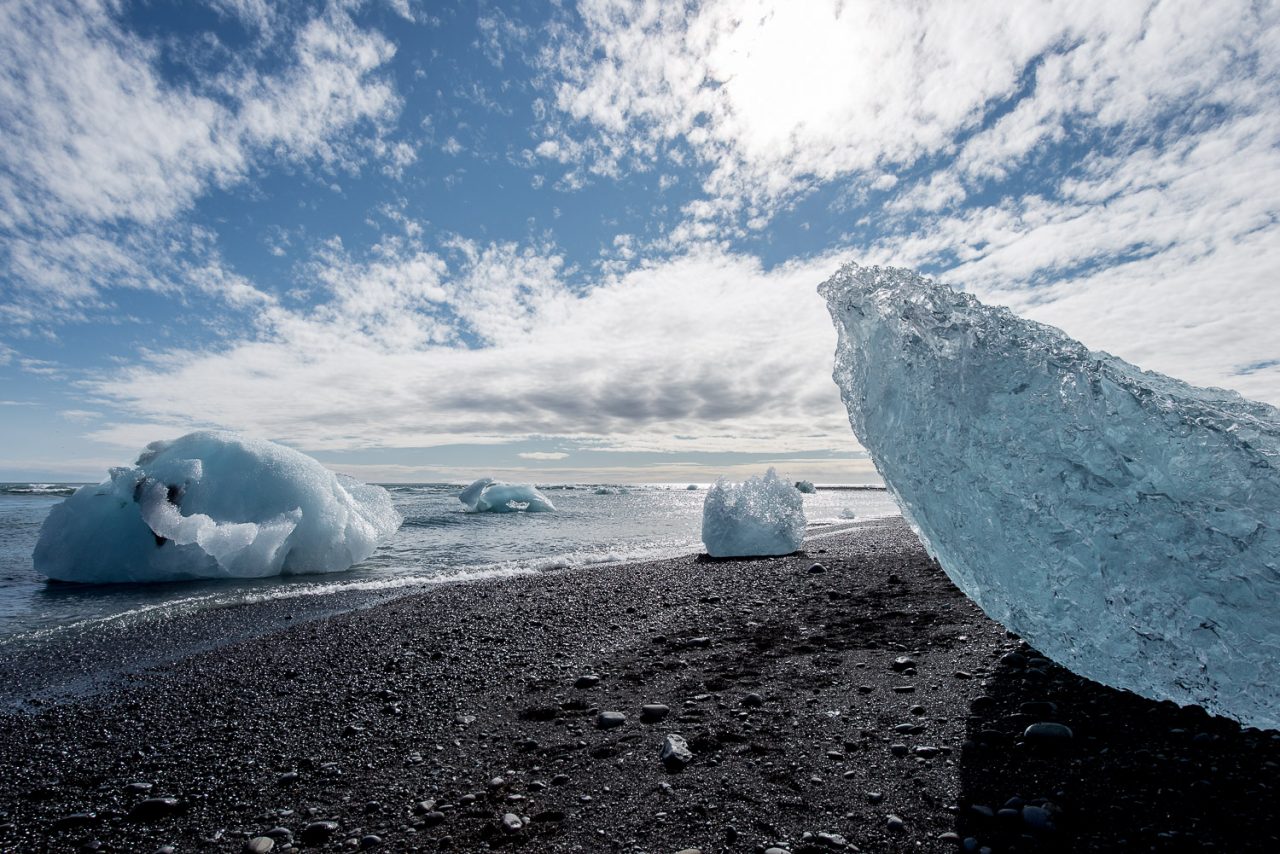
868 705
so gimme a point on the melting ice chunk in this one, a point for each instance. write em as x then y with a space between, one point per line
1125 523
488 495
214 505
806 486
762 516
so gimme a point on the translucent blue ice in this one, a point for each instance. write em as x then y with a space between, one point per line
214 505
1123 522
762 516
488 495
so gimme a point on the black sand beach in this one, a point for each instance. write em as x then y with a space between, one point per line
868 706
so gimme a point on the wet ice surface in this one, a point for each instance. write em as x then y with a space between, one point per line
760 516
214 505
1123 522
439 540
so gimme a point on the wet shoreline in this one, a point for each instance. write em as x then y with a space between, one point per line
866 706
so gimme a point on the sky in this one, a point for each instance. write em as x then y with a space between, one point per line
581 241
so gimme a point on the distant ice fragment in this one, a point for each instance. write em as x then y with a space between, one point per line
848 513
762 516
806 486
692 487
611 490
1123 522
214 505
488 495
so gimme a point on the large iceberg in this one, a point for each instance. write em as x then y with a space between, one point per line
1123 522
214 505
489 495
761 516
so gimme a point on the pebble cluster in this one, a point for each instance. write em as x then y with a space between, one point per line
766 707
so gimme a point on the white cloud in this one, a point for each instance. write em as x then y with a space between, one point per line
675 471
100 154
706 352
1166 256
776 97
542 455
1108 167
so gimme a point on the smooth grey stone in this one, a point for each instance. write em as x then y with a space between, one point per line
609 720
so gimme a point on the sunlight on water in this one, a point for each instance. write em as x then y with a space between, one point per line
438 542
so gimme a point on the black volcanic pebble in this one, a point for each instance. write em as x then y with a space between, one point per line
903 662
318 831
1047 733
653 712
1037 818
77 819
981 704
753 701
153 808
1014 659
817 569
588 681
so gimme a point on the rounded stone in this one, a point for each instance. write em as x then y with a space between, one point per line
1048 733
610 720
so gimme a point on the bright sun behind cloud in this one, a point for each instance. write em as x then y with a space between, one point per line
591 235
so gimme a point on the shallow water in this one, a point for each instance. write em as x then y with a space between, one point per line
437 542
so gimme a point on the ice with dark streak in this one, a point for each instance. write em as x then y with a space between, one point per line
1124 523
214 505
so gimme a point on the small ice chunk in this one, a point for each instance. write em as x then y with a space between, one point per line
762 516
214 505
806 486
848 513
489 495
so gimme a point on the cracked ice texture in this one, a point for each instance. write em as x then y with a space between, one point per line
214 505
760 516
1123 522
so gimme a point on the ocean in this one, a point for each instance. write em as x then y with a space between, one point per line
595 525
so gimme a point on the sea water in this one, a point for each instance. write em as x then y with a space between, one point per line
439 541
